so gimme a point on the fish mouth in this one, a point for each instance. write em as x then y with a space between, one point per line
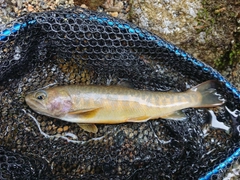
34 104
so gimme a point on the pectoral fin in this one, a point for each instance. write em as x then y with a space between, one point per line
177 115
89 127
138 119
80 111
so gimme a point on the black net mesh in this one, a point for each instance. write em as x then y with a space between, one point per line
76 46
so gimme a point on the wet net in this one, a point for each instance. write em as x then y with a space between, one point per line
77 46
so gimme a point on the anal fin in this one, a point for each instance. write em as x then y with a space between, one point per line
139 119
177 115
89 127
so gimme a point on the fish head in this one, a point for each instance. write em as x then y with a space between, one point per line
50 102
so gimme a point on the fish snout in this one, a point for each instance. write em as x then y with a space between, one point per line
33 103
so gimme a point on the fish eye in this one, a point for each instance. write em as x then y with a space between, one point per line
40 95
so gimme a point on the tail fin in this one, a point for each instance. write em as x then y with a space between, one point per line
210 97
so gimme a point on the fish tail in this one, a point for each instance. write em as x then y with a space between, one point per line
209 95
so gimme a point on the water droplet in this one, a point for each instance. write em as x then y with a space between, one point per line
238 129
17 57
217 124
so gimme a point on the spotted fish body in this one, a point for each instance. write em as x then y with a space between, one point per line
114 104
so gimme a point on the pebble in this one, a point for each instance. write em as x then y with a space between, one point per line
84 6
107 4
117 8
19 4
60 130
30 8
65 128
113 14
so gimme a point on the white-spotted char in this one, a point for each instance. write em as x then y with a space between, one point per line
89 105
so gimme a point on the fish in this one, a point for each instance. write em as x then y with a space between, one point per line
88 105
